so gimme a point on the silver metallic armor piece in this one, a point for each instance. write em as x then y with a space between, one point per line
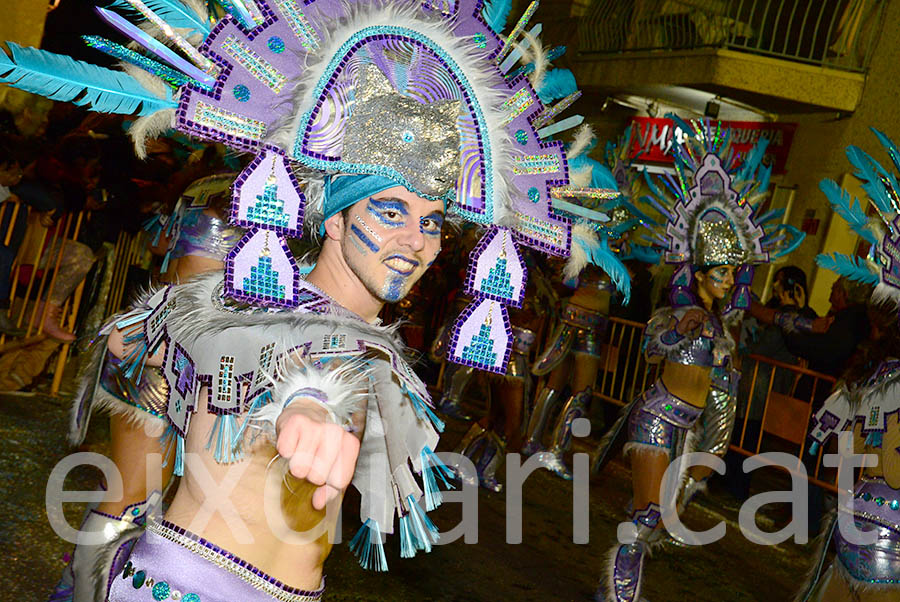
543 406
456 379
561 437
93 564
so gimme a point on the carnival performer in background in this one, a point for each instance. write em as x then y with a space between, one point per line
714 234
296 356
866 401
573 354
199 243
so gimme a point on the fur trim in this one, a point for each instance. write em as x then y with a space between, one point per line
83 404
344 388
138 417
885 293
637 446
581 178
861 587
472 61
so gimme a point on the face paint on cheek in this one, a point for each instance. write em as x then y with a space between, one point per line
367 229
364 239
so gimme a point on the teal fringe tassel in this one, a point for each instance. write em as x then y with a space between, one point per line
260 400
223 432
407 540
423 411
424 532
432 468
369 549
166 441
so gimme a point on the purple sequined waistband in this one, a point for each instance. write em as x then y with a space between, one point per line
659 402
876 513
583 317
171 563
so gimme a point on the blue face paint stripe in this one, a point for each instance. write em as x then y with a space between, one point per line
364 238
398 206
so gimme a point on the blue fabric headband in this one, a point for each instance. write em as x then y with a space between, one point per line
345 191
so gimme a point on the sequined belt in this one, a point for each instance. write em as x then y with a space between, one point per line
171 563
662 404
583 317
523 339
876 513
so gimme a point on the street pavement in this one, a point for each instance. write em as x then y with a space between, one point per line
547 565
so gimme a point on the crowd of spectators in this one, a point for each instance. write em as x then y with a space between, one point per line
55 166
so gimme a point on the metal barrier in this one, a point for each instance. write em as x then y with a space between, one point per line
776 420
832 33
35 273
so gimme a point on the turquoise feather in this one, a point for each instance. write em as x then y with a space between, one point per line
59 77
853 268
891 148
496 13
871 173
848 208
172 12
558 83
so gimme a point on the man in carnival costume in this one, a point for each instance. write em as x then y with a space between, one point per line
368 123
714 233
865 403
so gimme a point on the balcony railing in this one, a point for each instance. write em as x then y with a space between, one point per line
833 33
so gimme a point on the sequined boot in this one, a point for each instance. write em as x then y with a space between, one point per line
104 543
456 378
491 458
552 459
472 442
626 561
543 406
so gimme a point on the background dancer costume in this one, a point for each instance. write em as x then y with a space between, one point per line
869 405
711 224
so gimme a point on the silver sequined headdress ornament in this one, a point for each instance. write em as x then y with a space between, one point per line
881 267
712 211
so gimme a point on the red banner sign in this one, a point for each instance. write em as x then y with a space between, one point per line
651 139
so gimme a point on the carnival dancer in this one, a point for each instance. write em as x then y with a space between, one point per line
573 354
199 244
714 234
866 401
434 121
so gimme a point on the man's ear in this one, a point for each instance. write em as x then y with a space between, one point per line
334 226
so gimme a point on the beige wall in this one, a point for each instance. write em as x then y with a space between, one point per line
820 142
23 23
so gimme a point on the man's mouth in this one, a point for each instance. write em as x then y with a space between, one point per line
401 265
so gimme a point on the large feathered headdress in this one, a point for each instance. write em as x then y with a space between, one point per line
712 207
881 267
425 93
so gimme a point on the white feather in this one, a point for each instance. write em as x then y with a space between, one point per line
581 177
583 138
534 53
578 257
152 125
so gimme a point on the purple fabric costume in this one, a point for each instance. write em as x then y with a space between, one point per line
171 563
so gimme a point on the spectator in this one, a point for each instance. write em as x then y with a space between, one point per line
825 343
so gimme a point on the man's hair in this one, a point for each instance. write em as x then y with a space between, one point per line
791 276
858 293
